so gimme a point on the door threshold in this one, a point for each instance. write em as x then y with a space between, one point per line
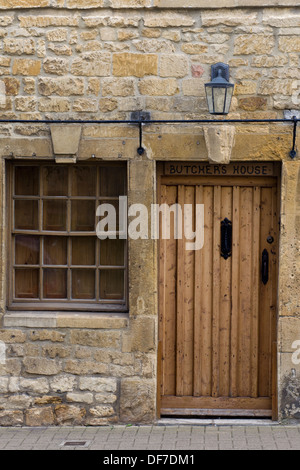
216 422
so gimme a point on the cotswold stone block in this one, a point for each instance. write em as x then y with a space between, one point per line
69 414
12 85
62 383
269 87
173 66
289 44
95 384
46 335
166 21
65 86
100 339
40 366
253 103
39 417
114 21
118 87
84 4
41 21
11 418
92 64
12 336
137 65
24 3
54 105
18 46
230 18
83 105
190 48
55 66
254 44
137 404
159 87
26 67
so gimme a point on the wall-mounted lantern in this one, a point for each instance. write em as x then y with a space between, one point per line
219 91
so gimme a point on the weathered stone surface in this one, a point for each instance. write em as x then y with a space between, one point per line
47 335
253 103
168 20
12 336
26 67
158 87
137 403
62 383
39 417
100 339
80 397
118 87
95 384
39 385
65 86
141 336
219 141
69 414
173 66
289 44
254 44
11 417
92 64
138 65
40 366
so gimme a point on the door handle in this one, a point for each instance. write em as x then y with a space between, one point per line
265 267
226 238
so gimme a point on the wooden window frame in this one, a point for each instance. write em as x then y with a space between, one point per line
68 304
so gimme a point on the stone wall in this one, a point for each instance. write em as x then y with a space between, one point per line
101 60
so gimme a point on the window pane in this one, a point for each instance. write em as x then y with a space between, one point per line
112 181
26 283
112 284
83 251
112 252
26 215
55 283
109 218
83 216
55 250
84 181
55 181
26 180
83 284
27 249
55 215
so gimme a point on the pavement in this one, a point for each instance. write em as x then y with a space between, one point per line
174 437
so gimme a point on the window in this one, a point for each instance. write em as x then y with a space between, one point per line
56 259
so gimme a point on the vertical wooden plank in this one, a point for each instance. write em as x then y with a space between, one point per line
225 303
216 292
180 324
206 293
167 283
245 292
186 313
265 337
198 282
235 289
255 290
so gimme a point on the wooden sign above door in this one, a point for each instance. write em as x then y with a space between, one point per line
233 169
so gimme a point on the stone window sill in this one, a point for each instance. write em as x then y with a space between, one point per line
65 320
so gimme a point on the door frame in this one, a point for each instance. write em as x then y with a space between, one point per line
211 178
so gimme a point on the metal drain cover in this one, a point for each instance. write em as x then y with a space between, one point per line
74 443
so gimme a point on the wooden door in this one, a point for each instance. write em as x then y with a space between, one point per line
218 314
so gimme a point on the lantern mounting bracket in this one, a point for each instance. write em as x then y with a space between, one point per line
215 68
